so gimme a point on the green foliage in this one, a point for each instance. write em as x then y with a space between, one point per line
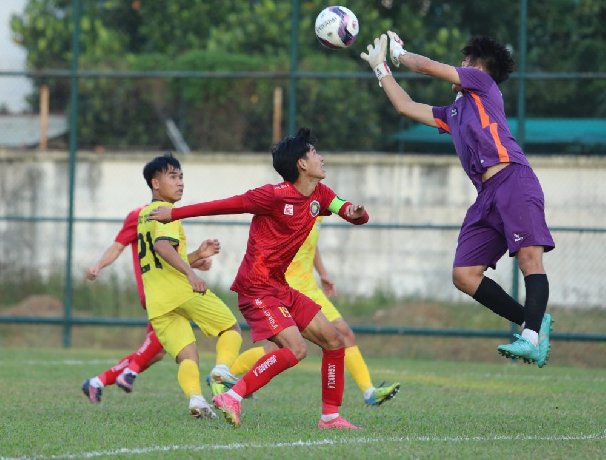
236 114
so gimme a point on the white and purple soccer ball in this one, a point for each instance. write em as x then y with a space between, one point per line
337 27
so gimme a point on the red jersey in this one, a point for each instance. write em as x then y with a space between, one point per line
283 217
128 236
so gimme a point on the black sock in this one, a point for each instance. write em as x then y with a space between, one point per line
537 294
492 296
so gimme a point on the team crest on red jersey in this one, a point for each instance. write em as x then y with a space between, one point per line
314 208
289 209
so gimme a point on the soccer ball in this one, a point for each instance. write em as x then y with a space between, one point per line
337 27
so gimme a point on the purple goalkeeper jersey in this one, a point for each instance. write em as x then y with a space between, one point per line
476 121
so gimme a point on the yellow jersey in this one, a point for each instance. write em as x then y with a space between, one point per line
166 288
300 272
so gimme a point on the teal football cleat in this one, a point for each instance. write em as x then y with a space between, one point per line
520 349
382 393
544 344
221 374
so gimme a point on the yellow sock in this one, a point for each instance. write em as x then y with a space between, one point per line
355 364
228 347
245 361
189 377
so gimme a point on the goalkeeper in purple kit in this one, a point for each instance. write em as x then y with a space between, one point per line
508 214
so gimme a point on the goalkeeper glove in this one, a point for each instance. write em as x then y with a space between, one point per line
396 47
376 57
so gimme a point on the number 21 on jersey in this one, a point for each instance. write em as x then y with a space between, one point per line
146 251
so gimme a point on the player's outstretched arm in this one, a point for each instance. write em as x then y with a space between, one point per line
232 205
418 63
108 257
161 214
400 99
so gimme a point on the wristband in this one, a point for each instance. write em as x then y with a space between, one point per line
396 58
382 70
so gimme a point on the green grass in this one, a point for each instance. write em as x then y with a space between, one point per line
444 410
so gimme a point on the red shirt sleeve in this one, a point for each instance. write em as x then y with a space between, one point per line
260 200
128 233
255 201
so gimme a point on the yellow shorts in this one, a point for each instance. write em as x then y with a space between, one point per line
317 295
208 311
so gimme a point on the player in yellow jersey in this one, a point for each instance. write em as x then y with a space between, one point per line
300 275
175 294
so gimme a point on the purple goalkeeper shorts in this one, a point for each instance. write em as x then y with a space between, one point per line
508 214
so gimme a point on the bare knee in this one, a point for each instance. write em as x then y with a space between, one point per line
334 340
530 260
295 344
467 279
299 350
349 338
188 352
235 328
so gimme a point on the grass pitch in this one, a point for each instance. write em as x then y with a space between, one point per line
444 410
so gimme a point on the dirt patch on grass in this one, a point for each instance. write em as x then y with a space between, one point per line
36 305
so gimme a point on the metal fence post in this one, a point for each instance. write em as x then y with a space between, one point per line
515 288
294 67
68 290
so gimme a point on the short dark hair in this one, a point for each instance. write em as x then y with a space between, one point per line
288 151
493 56
158 165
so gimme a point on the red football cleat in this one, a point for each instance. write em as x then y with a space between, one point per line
338 423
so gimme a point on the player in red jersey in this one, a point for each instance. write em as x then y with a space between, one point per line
283 216
151 351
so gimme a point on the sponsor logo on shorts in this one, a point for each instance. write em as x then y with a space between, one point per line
258 370
289 209
314 208
517 237
272 321
454 112
332 376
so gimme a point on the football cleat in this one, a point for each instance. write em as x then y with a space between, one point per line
544 344
221 374
230 407
92 393
338 423
198 407
521 349
126 380
382 393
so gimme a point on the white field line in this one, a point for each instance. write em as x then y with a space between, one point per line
319 443
402 373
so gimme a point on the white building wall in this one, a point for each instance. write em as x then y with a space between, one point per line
396 190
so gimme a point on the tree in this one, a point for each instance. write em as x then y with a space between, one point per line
235 35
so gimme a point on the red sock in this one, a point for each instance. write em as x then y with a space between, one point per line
146 353
109 376
265 369
333 380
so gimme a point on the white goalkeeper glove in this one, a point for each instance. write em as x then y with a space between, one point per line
396 47
376 57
